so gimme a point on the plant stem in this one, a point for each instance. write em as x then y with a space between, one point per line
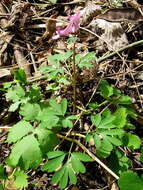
74 80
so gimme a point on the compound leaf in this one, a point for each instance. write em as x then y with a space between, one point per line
97 141
25 153
30 111
81 156
18 131
77 165
53 164
72 176
132 141
96 119
20 179
57 176
46 138
64 179
54 154
130 180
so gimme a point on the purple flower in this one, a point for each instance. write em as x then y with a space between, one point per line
72 27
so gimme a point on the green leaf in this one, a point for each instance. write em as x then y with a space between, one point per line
72 176
13 107
64 179
54 154
25 153
106 144
77 165
46 138
105 89
20 76
67 123
132 141
30 111
57 176
60 108
121 117
96 119
20 179
107 126
18 131
115 141
64 105
118 161
63 80
49 117
53 164
3 175
53 1
97 141
81 156
15 93
86 61
130 181
124 100
107 122
113 132
1 187
34 94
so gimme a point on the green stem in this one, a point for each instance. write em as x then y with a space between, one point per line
74 80
103 58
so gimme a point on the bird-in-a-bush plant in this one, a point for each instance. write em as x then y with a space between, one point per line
37 140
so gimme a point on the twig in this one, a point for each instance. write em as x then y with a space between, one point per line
103 58
91 155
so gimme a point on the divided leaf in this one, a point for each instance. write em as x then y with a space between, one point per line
132 141
25 153
18 131
77 164
20 179
53 164
59 108
46 138
81 156
130 180
54 154
30 111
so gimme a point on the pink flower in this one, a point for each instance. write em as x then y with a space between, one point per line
72 27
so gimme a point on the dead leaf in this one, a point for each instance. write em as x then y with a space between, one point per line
90 11
111 35
4 72
122 14
74 188
114 186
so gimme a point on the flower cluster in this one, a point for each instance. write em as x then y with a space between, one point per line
72 27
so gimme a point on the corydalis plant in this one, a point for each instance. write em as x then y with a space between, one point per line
72 27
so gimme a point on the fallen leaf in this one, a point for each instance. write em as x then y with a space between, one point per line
111 34
4 72
74 188
122 14
114 187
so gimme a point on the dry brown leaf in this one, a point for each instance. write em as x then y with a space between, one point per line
74 188
114 186
122 14
110 34
4 72
90 11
